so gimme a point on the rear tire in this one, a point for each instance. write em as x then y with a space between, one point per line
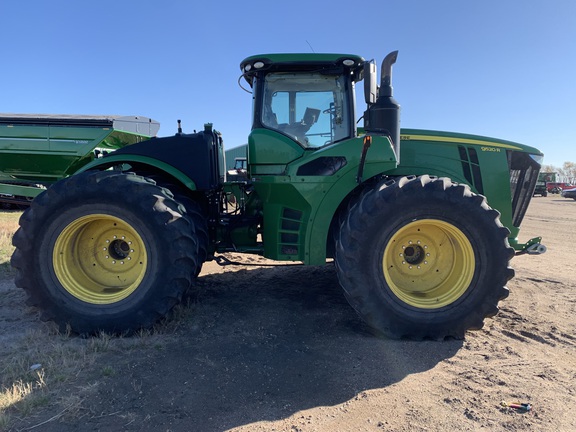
423 258
105 251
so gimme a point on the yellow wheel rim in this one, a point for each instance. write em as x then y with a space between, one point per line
99 259
428 263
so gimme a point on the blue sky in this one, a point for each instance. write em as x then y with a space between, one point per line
500 68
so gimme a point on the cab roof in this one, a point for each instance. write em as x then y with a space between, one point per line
300 62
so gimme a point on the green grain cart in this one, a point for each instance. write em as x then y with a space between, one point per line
404 215
37 150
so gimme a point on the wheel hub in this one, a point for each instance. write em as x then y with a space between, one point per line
120 249
414 254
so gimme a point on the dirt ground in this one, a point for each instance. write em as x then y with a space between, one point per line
279 349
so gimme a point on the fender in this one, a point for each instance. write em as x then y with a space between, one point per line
112 160
380 158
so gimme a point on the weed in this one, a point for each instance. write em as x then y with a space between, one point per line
17 392
108 371
101 343
4 420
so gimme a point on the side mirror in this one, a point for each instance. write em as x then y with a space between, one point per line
370 86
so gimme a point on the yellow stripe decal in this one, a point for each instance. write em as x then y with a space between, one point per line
457 140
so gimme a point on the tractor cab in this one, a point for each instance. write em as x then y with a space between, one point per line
305 102
301 102
308 99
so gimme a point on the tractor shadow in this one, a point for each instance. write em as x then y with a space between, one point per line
260 345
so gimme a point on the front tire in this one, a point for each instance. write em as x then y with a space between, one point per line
105 251
423 258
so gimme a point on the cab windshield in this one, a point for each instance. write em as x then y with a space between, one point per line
310 108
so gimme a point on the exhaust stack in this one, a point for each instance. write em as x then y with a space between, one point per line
383 116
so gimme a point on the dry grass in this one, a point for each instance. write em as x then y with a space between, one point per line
43 370
8 226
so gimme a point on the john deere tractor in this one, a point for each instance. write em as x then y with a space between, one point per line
421 225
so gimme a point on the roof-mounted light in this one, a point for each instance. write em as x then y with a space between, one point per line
348 62
259 65
247 67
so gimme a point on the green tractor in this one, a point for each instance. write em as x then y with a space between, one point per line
403 214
